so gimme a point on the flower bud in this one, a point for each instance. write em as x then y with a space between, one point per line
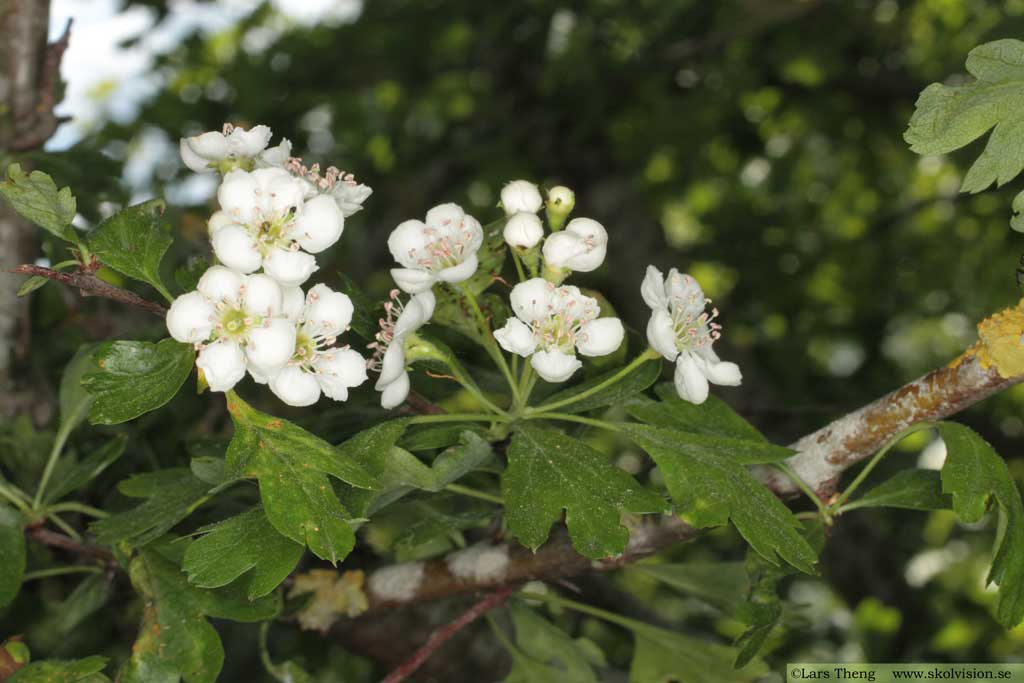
523 230
581 246
520 195
560 203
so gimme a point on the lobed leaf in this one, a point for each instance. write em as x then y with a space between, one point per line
911 489
244 544
977 477
545 652
635 382
88 670
710 485
133 241
171 495
548 472
36 198
292 467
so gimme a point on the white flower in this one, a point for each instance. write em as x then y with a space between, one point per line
441 249
203 153
521 195
317 366
349 194
523 230
580 247
340 186
236 321
552 324
389 349
266 222
560 203
681 331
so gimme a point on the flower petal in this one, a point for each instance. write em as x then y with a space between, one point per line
338 371
555 366
516 337
319 224
223 365
190 319
653 289
394 393
263 296
600 337
721 373
412 280
461 272
328 313
293 303
661 335
691 384
237 196
221 284
249 143
446 216
295 386
392 365
290 268
270 346
531 300
236 249
407 243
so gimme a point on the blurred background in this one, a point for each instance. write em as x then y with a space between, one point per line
756 144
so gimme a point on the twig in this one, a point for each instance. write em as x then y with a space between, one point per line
422 406
443 634
55 540
90 285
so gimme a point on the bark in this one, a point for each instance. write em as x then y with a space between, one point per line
27 79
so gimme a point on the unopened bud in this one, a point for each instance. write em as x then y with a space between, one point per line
560 203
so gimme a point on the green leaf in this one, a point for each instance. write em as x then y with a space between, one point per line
430 525
544 646
35 197
130 378
400 471
292 467
170 495
88 670
430 437
912 489
714 417
636 381
12 554
977 477
243 543
1017 219
710 485
549 471
762 609
947 118
74 399
719 584
175 640
133 242
32 284
81 473
666 656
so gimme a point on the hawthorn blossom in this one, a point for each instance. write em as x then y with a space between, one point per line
236 322
552 324
682 331
340 186
521 195
212 151
266 222
581 246
317 366
389 349
442 249
559 205
523 230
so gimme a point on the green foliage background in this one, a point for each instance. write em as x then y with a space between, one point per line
757 145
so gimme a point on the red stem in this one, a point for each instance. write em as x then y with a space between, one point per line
443 634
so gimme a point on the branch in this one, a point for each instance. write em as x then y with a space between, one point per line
55 540
35 126
994 363
441 635
89 285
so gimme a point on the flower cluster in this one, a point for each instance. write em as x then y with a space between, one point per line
274 215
